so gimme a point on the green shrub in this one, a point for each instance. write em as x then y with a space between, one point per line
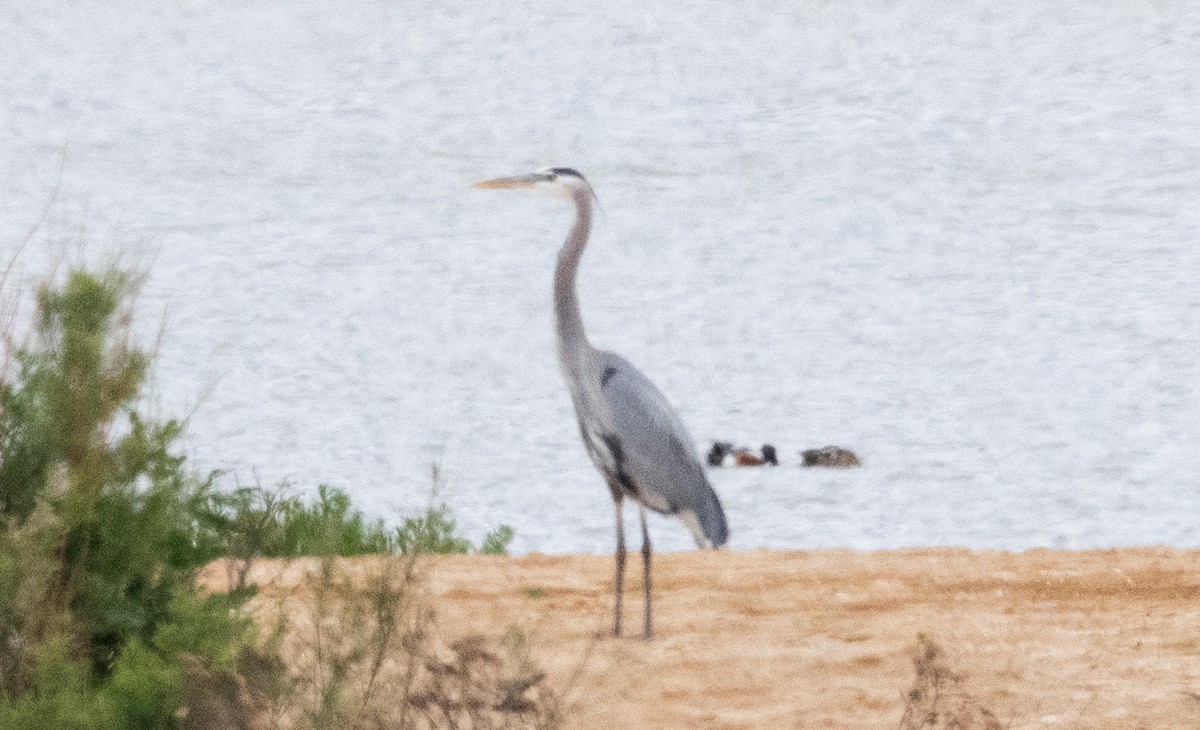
102 530
271 523
101 527
433 532
329 527
60 694
256 522
496 542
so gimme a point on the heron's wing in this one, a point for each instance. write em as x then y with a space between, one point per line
655 450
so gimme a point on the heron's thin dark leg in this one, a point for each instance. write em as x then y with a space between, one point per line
647 629
619 584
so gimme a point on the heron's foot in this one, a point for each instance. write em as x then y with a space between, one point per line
600 635
613 633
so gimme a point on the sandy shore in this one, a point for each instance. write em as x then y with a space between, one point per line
825 639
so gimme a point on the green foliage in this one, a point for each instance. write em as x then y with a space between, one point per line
496 542
203 626
61 694
329 527
28 565
101 528
259 522
68 394
433 532
256 522
145 687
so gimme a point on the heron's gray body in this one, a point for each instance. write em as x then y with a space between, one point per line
632 434
641 446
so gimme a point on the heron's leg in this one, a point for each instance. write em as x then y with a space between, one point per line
647 628
619 584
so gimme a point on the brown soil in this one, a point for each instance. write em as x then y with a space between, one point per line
826 639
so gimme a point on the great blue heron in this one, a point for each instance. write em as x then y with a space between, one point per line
629 429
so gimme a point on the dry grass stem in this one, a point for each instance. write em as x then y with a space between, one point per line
938 700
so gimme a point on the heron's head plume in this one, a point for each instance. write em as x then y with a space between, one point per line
560 181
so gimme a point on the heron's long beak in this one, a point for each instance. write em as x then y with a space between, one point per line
508 183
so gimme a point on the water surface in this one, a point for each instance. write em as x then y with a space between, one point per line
962 241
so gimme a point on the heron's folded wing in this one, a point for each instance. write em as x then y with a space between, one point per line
658 454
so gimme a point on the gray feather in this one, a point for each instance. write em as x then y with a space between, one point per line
656 452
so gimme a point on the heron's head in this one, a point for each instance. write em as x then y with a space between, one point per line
560 181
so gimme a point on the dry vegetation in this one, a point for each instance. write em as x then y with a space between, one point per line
356 644
824 639
939 699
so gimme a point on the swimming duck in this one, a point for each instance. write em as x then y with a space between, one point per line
718 452
834 457
746 457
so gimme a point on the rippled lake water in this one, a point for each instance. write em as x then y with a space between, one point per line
962 239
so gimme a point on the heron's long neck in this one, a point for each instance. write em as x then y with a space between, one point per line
572 342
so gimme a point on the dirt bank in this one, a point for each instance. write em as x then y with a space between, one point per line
825 639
